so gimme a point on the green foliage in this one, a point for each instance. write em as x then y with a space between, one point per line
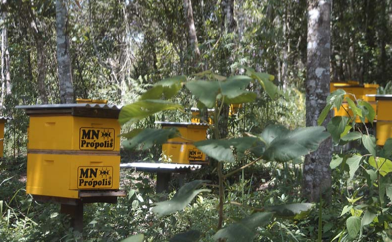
180 199
165 89
295 144
230 150
294 211
364 214
144 108
189 236
276 143
134 238
144 139
244 229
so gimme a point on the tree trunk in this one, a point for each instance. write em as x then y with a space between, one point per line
5 61
41 64
383 36
191 28
229 23
316 172
63 54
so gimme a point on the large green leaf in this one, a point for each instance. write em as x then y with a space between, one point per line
272 132
144 139
388 190
334 100
336 127
324 114
353 164
295 144
384 166
294 211
230 150
370 144
166 88
138 110
367 111
368 217
134 238
386 151
243 98
204 91
352 136
336 161
353 225
188 236
357 111
266 82
235 86
245 229
182 198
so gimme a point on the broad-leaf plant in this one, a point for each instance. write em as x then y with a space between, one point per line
367 208
275 143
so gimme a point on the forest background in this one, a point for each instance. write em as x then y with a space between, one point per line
119 49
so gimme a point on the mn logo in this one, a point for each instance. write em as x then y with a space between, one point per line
96 138
95 177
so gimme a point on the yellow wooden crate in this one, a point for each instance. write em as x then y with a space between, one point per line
72 147
182 153
64 175
370 89
196 116
73 133
383 132
333 86
190 132
234 108
384 108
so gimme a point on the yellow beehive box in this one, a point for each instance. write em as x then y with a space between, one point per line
333 86
196 116
190 132
234 109
182 153
180 149
370 91
81 100
57 175
360 92
72 147
384 118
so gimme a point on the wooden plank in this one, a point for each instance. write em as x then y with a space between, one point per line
163 180
61 200
101 193
96 112
76 214
74 152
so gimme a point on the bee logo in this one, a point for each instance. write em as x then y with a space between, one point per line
105 134
104 173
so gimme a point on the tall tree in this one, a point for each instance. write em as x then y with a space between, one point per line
187 4
317 173
5 58
63 53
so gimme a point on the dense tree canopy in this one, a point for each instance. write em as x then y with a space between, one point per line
55 51
115 42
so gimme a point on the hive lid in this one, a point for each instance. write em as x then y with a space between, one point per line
386 97
73 109
5 118
197 110
164 123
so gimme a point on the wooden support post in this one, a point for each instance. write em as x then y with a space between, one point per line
76 213
163 179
